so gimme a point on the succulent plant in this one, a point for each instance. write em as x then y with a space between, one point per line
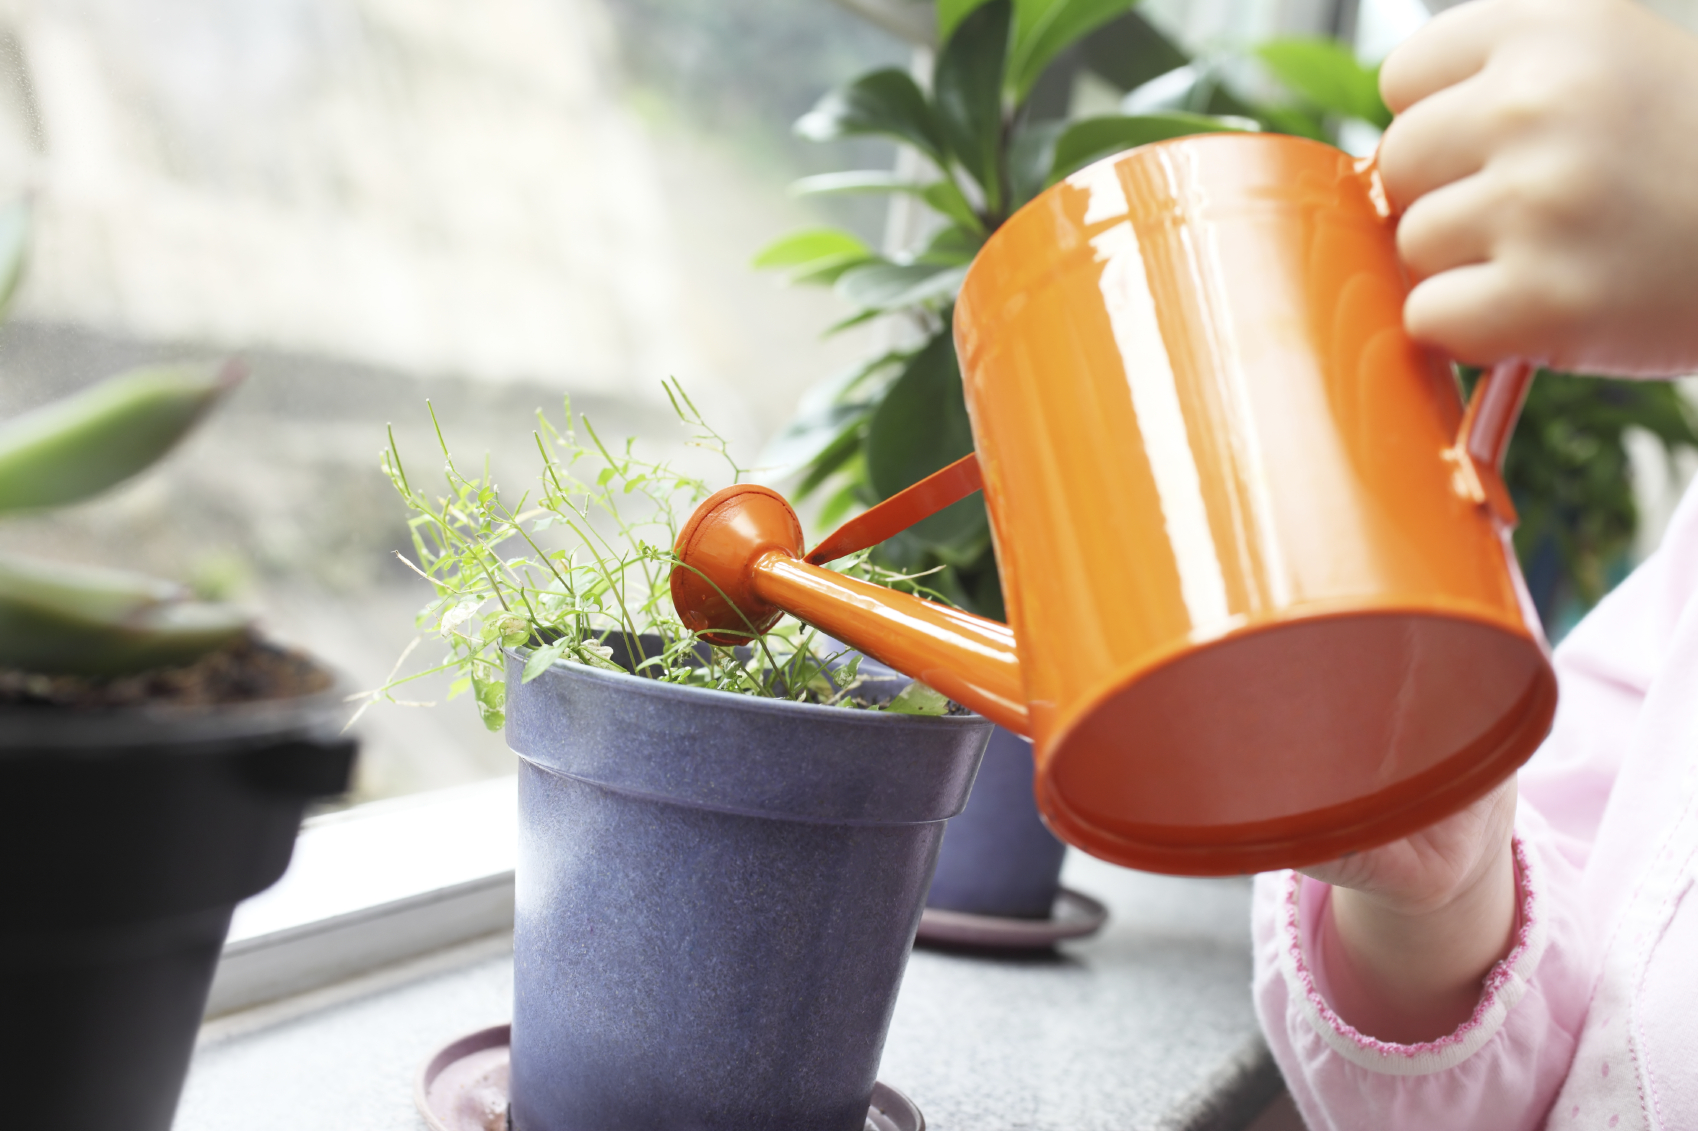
58 619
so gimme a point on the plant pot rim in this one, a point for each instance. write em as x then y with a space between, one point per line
757 703
742 754
65 730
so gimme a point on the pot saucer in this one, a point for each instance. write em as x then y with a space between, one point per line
464 1088
1074 916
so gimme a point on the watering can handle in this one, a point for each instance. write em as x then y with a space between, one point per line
1476 458
901 510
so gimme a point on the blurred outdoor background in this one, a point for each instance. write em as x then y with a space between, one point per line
486 203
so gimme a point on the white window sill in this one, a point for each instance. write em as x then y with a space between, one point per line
373 886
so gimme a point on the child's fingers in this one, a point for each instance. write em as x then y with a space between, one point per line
1448 50
1435 142
1450 227
1472 314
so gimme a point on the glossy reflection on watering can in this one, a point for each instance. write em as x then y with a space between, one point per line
1263 604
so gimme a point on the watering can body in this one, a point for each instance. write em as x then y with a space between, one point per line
1263 608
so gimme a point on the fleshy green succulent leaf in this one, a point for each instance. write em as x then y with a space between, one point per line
918 699
967 88
14 249
59 619
815 255
920 427
77 447
886 102
1045 28
1092 139
1327 74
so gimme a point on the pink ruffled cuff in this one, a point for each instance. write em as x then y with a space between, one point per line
1305 902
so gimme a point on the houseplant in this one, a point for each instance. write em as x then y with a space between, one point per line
723 851
991 128
156 761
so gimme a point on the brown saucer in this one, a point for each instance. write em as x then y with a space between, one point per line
464 1088
1074 916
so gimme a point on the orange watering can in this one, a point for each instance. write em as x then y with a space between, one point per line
1263 608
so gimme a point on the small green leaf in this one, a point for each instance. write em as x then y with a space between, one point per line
918 699
95 439
1048 27
1092 139
541 659
885 102
967 87
1327 74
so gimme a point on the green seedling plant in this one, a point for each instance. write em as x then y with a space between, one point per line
61 619
578 571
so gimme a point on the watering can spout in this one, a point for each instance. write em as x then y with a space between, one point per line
742 566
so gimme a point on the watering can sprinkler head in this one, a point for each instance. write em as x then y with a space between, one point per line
713 586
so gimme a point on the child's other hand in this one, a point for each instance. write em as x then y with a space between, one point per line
1545 154
1416 924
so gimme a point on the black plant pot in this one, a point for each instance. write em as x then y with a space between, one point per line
126 840
998 857
716 898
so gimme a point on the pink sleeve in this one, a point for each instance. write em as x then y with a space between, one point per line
1502 1069
1499 1071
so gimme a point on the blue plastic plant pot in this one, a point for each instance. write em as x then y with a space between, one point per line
998 857
716 898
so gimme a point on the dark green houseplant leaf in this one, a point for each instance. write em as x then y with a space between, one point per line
887 103
1095 138
967 88
1327 74
1045 28
920 427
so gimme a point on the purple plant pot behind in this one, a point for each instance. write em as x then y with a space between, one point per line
998 857
716 897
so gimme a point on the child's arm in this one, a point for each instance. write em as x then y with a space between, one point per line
1546 153
1416 925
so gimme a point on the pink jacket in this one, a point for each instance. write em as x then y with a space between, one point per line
1591 1021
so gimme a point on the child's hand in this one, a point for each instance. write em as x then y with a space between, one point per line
1545 154
1416 924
